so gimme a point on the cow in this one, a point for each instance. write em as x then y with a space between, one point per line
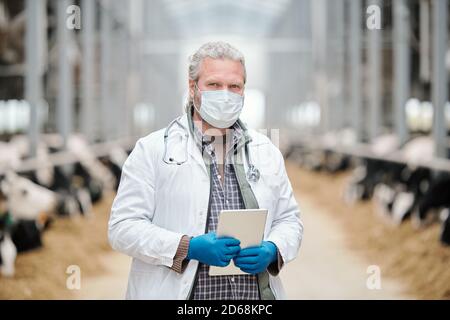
323 153
399 198
405 193
10 158
435 198
445 229
368 176
25 199
76 188
114 161
25 211
8 253
371 171
87 159
333 160
8 250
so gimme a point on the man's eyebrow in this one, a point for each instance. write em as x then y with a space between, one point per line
212 79
231 83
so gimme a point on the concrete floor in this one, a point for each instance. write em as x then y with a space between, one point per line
326 269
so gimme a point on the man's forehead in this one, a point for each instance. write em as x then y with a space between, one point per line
213 68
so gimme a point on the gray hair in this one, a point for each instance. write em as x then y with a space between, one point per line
213 50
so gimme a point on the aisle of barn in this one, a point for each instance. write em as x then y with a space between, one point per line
325 269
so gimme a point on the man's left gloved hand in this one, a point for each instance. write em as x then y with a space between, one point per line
254 260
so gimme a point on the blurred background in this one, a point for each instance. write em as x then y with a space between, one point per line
354 92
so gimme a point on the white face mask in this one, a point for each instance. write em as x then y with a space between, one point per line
220 108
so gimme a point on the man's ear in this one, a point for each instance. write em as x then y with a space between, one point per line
191 88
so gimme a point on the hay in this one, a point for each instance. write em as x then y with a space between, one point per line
413 257
41 274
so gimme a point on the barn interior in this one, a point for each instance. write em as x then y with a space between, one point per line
354 93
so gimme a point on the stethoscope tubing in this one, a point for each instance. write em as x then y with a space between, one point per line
253 173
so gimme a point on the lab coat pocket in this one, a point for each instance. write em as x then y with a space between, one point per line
140 285
140 267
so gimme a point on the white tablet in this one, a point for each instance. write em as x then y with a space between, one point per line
247 226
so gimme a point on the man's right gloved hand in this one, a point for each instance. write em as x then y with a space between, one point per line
213 251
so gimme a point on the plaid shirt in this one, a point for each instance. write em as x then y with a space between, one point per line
223 197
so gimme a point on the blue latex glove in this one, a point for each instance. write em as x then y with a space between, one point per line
213 251
254 260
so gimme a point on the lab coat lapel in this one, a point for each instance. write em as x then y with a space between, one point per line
193 150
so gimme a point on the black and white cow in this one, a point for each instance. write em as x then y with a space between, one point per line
401 196
403 193
323 155
334 161
25 199
404 190
25 211
368 176
72 192
8 251
79 184
370 172
434 199
114 162
445 229
88 160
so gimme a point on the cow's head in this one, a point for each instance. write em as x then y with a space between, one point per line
25 199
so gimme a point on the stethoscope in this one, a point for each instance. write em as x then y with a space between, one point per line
184 135
253 173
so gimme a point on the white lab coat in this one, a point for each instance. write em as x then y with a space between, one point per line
157 204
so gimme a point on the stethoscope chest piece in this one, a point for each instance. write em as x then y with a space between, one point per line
253 173
183 134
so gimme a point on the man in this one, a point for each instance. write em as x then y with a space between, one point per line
177 180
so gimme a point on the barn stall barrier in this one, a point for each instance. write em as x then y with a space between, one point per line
403 181
36 190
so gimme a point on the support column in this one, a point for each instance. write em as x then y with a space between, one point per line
374 55
440 78
65 74
88 115
106 109
34 52
355 66
402 69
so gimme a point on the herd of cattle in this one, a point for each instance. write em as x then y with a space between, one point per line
30 199
399 179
